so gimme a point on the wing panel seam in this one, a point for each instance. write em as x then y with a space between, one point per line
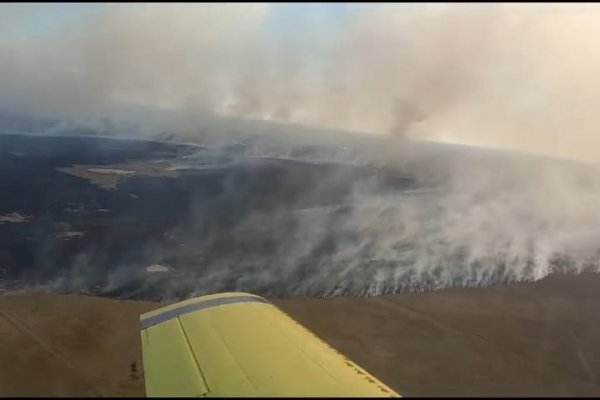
187 341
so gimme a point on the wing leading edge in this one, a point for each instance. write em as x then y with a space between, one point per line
239 344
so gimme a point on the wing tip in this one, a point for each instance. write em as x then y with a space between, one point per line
162 314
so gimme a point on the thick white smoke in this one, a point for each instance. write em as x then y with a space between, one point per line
461 217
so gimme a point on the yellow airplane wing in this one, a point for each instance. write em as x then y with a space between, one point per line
239 344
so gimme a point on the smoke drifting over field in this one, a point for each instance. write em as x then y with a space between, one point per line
473 221
518 77
424 217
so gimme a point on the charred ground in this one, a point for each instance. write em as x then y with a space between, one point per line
76 233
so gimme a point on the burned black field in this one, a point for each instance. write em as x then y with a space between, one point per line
69 233
155 220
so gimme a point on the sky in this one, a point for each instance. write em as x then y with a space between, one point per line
517 76
284 18
35 20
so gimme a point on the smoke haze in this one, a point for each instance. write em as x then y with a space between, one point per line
520 77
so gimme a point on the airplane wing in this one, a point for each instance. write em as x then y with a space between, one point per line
239 344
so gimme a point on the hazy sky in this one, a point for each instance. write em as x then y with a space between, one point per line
520 76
